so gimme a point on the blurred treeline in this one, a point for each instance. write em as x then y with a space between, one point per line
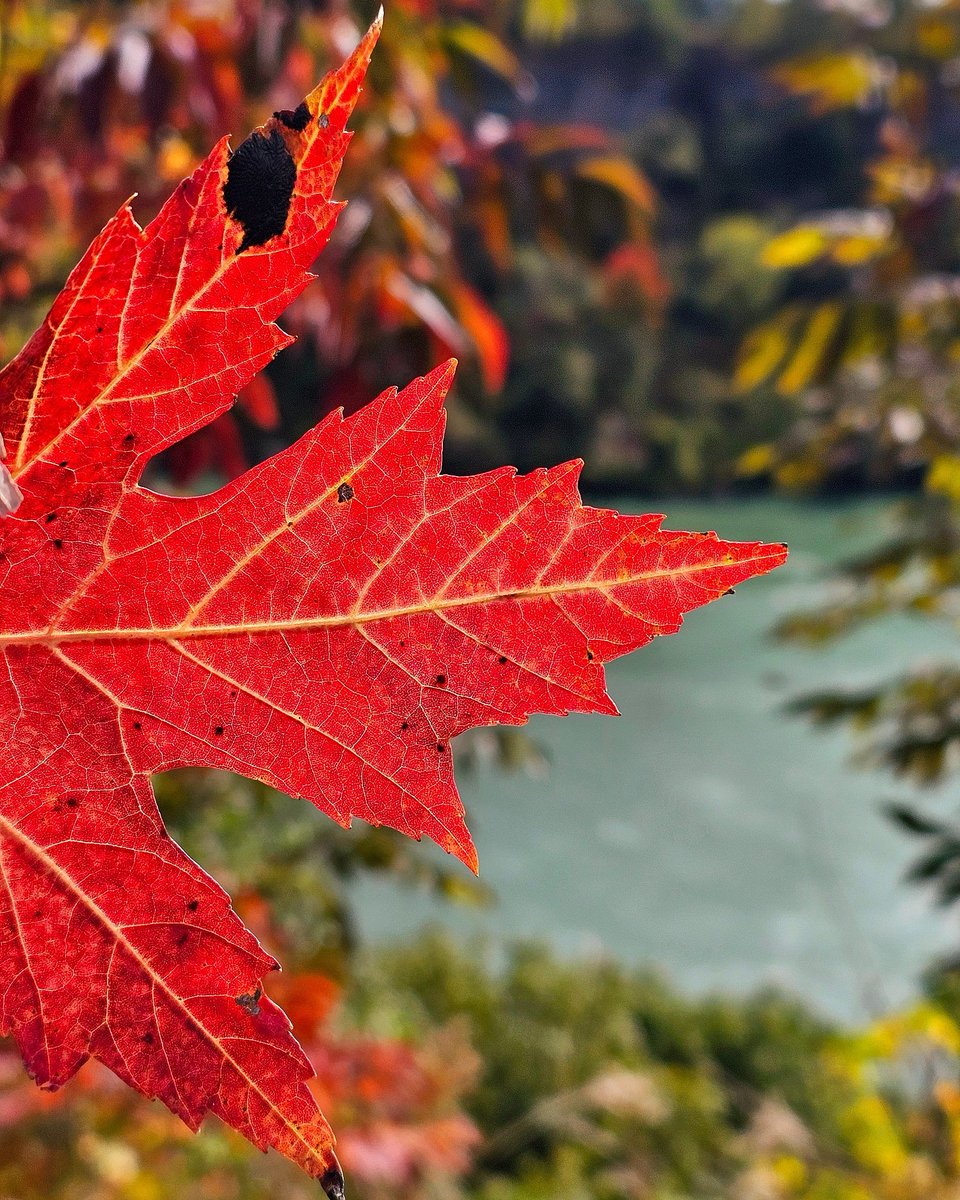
582 201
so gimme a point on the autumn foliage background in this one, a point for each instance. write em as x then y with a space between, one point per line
744 277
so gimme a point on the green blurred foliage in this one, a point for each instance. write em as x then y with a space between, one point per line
536 1078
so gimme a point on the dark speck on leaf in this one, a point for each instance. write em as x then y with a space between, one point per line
58 542
589 656
72 802
193 905
64 463
440 747
502 660
219 731
405 726
148 1038
345 492
129 439
261 176
441 680
250 1002
324 121
50 517
297 119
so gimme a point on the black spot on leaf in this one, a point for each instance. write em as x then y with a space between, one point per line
297 118
261 177
250 1002
193 905
345 492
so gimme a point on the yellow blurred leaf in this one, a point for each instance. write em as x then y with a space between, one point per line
764 350
831 81
943 476
485 47
815 342
756 460
550 18
852 251
795 248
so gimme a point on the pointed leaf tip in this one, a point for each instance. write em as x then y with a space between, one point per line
332 1184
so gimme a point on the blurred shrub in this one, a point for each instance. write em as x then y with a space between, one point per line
541 1078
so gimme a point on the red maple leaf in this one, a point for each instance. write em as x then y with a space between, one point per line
326 623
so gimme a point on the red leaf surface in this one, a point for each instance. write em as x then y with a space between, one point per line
326 623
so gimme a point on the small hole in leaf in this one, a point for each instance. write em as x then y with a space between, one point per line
324 121
345 492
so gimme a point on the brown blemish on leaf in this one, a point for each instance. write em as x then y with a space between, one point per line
250 1001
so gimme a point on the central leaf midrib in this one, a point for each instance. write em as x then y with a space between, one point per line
346 620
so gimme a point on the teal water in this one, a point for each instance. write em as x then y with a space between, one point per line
704 830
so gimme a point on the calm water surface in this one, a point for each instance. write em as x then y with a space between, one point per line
704 830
